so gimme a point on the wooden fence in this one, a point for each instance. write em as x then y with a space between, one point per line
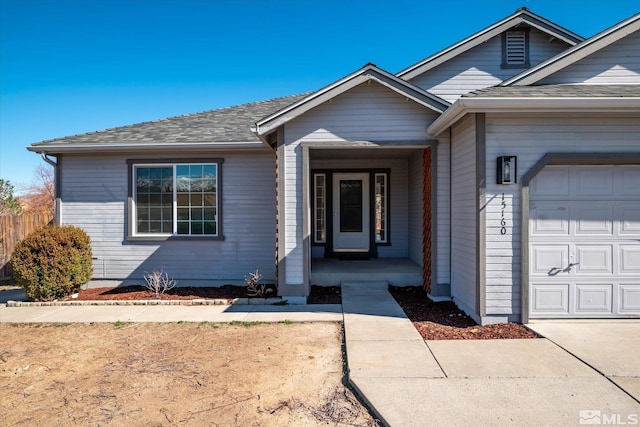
14 228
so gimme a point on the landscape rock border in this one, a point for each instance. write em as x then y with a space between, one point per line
191 302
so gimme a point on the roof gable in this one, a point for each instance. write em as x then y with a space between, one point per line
521 16
368 73
576 53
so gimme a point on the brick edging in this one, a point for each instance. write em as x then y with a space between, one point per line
190 302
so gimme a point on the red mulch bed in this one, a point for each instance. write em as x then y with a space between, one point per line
319 294
445 321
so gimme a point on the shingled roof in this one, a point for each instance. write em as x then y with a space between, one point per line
558 91
230 124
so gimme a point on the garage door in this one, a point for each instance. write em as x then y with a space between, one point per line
584 242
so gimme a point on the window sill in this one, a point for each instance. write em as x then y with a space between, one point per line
165 238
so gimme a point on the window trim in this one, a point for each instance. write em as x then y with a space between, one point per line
527 62
329 172
385 207
131 235
315 207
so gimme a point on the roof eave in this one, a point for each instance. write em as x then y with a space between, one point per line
465 106
53 148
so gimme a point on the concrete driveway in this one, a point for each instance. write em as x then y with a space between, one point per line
610 347
533 382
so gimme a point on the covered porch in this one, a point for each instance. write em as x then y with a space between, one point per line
395 271
366 212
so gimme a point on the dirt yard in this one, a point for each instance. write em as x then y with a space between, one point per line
175 374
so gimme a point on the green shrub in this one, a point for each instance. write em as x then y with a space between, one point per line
52 262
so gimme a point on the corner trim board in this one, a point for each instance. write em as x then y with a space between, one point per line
481 215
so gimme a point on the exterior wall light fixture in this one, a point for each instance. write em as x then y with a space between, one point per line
507 170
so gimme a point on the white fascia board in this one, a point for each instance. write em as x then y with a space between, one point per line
532 105
576 53
88 147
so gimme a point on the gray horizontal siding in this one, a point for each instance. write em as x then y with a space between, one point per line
480 66
530 137
618 63
94 197
463 213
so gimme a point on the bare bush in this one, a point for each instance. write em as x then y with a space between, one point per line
158 282
255 289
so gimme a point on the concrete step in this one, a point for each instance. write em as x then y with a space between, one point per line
373 285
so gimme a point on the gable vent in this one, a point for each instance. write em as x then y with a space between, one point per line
516 48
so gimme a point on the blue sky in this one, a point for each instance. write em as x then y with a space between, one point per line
75 66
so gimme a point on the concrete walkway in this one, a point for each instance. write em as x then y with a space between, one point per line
173 313
410 382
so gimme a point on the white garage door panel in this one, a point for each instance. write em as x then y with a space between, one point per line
584 242
594 298
544 258
549 218
592 219
630 259
629 215
629 178
630 298
549 299
551 182
590 181
593 260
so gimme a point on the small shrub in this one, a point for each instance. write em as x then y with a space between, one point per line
158 282
255 289
52 262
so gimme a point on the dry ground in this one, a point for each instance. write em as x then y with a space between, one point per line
175 374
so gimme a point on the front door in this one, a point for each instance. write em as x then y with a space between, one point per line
351 212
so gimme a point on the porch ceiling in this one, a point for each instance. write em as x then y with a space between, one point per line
363 153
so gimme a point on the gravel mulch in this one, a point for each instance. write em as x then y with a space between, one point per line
445 321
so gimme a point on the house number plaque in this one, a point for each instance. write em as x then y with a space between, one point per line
503 223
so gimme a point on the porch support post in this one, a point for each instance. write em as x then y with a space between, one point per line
306 220
426 219
281 272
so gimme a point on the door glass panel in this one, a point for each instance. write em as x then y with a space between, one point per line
351 206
